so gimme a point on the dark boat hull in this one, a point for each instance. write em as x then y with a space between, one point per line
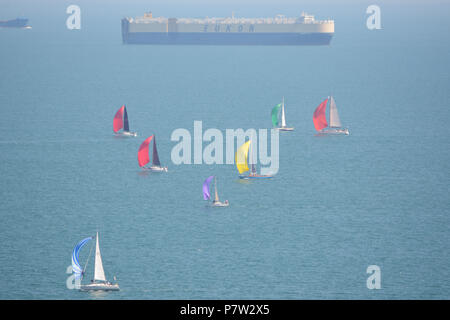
224 38
199 38
16 23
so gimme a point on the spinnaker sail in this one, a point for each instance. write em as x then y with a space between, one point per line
143 155
118 119
319 116
206 185
275 113
241 157
76 268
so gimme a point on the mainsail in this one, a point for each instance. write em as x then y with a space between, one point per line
335 122
275 112
155 157
241 157
125 120
216 196
76 268
283 118
251 160
319 117
118 119
99 273
206 184
143 156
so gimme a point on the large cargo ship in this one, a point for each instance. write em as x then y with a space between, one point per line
302 30
16 23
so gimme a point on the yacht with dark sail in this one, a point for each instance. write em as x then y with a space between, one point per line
121 122
144 156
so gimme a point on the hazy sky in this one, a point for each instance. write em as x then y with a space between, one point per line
211 5
52 12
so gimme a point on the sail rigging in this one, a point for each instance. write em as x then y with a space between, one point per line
319 117
206 184
76 268
335 122
99 273
241 157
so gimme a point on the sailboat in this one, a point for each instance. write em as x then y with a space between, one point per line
121 121
275 118
144 158
99 282
320 119
241 159
207 196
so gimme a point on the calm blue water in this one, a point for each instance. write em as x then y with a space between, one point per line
337 205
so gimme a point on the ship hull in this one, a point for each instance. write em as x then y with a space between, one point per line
199 38
16 23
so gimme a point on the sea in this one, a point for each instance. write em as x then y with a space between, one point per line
338 206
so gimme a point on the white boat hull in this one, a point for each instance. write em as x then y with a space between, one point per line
129 133
156 169
335 131
220 204
285 129
126 134
100 286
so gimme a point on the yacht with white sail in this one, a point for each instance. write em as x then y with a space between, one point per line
276 115
144 158
99 282
320 119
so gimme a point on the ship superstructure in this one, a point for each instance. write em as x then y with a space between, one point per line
280 30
